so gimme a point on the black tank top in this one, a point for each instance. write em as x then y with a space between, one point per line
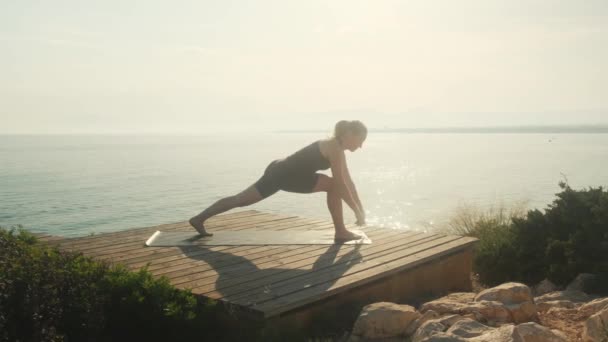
305 160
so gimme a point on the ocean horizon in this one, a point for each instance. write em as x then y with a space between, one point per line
75 185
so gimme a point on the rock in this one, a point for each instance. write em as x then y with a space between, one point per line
468 328
443 306
428 315
517 299
489 312
571 295
560 334
564 304
596 327
593 306
523 312
557 311
428 329
354 338
460 297
434 326
582 282
543 287
384 319
532 332
450 303
508 302
507 293
505 333
450 320
444 337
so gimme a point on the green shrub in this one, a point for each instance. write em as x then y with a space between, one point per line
570 237
51 295
494 252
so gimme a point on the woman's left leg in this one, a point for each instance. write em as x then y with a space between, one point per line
334 204
246 197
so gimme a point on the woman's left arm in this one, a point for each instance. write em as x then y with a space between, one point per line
353 190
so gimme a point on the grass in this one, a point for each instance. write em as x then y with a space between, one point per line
470 220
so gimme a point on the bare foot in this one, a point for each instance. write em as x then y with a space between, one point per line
200 228
346 235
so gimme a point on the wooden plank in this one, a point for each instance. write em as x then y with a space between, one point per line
332 286
372 255
300 260
241 281
336 271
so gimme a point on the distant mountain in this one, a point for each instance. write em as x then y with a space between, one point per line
504 129
487 129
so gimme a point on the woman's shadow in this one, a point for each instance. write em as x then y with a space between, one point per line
241 281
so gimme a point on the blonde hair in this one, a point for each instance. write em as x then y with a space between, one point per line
356 127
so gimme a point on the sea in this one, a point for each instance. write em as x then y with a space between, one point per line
76 185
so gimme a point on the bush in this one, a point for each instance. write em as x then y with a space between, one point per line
51 295
495 249
569 238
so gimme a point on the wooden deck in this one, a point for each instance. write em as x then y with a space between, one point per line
276 281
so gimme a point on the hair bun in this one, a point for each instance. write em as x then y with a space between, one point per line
355 126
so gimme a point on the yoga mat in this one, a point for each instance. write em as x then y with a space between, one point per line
250 237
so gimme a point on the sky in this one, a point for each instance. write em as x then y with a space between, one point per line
87 67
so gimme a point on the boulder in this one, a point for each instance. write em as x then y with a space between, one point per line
379 320
557 311
582 282
460 297
428 315
444 337
507 293
443 306
517 299
596 327
523 312
571 295
489 312
532 332
543 287
432 327
428 329
505 333
450 320
468 328
564 304
593 306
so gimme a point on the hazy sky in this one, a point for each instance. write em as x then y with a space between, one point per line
198 66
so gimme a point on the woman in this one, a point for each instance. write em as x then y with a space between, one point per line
298 173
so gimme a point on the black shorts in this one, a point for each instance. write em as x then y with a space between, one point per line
274 180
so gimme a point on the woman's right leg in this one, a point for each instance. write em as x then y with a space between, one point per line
246 197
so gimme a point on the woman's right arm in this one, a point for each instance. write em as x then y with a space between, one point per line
339 173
